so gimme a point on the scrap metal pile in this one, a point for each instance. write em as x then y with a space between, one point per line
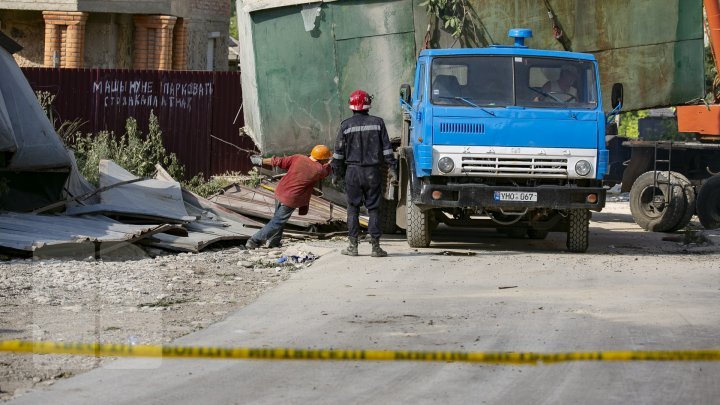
156 212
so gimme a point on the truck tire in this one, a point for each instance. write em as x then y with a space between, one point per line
418 224
708 203
387 216
578 233
690 202
657 215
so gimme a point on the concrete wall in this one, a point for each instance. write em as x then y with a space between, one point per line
198 31
110 30
55 5
109 41
27 29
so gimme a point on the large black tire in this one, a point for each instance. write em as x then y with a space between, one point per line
418 224
387 216
656 215
690 201
708 203
578 234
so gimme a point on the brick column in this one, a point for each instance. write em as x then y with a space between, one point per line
64 38
179 55
153 42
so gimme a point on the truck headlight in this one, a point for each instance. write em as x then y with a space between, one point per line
583 167
446 164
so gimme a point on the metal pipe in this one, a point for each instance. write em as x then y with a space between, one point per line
712 10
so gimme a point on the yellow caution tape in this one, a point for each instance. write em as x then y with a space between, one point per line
123 350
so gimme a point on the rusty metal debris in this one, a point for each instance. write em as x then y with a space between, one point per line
259 202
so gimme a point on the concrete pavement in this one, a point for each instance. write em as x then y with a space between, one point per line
631 291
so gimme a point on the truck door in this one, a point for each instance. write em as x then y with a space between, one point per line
419 105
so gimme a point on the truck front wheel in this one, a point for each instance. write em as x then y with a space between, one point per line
578 230
418 223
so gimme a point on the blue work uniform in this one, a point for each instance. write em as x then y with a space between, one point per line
361 148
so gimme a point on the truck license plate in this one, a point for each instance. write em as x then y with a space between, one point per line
515 196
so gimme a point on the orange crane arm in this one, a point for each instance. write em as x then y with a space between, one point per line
702 119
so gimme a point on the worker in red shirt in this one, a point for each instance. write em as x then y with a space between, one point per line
293 191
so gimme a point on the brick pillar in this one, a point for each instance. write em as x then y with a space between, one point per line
64 38
153 42
179 56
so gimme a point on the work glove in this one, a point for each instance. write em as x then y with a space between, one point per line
256 160
392 176
335 181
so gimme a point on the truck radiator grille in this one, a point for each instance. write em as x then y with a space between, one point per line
515 167
461 128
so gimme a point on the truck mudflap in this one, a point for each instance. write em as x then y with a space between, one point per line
508 197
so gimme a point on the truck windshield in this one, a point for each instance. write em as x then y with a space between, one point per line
501 81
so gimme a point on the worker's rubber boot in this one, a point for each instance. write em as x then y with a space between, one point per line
251 244
376 249
352 249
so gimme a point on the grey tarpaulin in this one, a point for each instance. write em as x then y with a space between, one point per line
33 162
31 137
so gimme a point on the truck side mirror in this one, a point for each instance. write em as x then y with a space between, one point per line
405 93
617 95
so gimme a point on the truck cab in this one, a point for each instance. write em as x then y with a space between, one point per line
506 137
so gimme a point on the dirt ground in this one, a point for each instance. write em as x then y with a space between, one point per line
151 297
135 296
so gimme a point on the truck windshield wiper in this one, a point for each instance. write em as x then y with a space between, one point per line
468 102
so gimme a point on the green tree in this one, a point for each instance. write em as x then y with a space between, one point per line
233 20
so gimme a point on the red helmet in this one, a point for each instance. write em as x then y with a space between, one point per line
360 100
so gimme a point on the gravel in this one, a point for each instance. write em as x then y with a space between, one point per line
136 296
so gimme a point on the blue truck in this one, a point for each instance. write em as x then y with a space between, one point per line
495 137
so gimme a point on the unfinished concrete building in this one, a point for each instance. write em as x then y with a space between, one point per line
118 34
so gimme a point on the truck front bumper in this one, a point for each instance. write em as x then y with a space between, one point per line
484 196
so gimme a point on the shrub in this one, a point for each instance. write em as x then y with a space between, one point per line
136 153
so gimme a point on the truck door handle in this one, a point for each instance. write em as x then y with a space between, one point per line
418 115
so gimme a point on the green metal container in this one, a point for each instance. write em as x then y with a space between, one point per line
298 70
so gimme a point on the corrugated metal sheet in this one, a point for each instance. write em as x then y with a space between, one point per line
29 232
259 202
194 109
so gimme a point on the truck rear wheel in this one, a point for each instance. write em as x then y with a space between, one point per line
578 233
690 201
418 223
708 203
657 207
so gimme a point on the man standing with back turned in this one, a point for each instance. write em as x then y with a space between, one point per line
361 146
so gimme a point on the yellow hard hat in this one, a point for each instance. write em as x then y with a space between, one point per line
321 152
